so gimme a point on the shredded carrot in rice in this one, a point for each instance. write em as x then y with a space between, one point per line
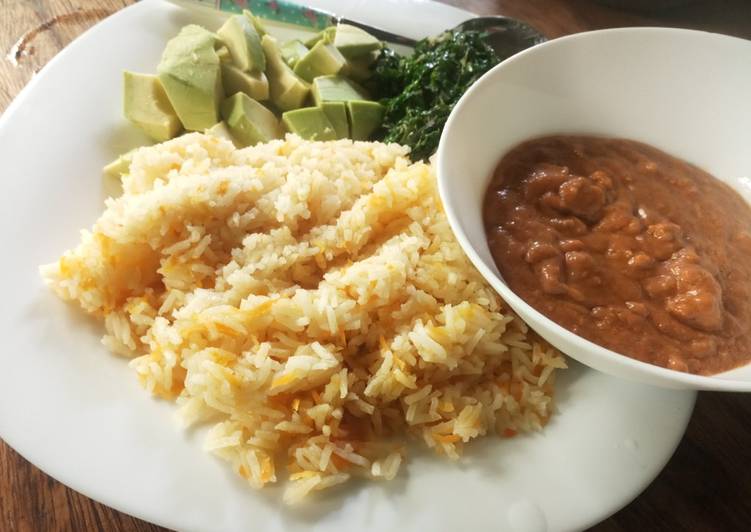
308 302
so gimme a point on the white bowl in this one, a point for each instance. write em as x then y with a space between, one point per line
684 92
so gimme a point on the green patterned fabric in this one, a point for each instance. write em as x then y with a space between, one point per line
279 11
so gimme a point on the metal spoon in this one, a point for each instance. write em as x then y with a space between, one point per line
506 35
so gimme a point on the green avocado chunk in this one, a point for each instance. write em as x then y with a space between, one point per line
249 122
220 130
191 75
121 165
336 89
310 123
327 35
146 105
254 84
223 54
293 51
358 69
353 42
336 112
288 91
322 60
257 24
244 43
364 118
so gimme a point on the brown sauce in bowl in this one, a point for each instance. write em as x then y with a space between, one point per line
627 246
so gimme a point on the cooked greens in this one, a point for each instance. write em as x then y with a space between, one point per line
419 91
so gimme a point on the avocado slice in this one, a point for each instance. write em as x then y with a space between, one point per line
287 90
146 105
121 165
256 22
364 118
191 75
254 84
353 42
336 112
293 51
223 54
249 122
220 130
327 35
293 98
358 69
244 43
322 60
336 89
310 123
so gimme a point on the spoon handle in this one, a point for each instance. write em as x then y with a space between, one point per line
380 33
295 14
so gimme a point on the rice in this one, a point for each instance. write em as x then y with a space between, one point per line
309 302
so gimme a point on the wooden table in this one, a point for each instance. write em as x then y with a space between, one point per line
706 485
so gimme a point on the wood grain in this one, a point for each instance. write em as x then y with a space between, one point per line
707 484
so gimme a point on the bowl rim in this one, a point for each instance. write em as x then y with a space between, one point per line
631 368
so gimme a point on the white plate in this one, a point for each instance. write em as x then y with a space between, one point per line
78 413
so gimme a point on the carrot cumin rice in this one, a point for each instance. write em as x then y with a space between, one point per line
309 302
